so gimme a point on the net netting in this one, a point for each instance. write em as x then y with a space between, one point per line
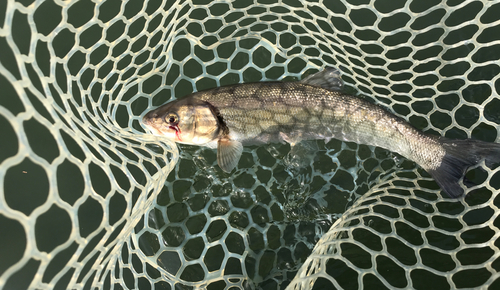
90 200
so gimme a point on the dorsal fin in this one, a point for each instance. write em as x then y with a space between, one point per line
329 79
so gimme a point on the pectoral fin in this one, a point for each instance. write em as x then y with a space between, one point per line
228 153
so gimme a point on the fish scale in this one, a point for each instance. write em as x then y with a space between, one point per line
323 113
314 108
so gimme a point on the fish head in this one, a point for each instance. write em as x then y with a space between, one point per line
188 121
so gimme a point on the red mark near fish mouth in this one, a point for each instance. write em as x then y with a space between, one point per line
177 131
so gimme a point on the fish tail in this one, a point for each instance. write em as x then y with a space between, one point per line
459 156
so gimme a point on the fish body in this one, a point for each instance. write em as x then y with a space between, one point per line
315 108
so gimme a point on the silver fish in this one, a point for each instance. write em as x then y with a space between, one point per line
314 108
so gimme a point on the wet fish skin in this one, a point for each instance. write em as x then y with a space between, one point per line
256 113
290 112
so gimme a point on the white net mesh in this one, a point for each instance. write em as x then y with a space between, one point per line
88 200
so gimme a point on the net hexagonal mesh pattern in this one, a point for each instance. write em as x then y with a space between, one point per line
90 200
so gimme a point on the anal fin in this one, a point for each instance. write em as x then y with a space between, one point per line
228 153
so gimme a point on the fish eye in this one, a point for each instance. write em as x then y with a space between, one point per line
172 118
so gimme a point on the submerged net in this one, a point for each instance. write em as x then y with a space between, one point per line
88 199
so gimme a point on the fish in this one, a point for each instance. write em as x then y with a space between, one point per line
230 117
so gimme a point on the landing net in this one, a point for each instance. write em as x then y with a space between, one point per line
89 200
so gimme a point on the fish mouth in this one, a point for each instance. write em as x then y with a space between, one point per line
149 118
146 121
149 123
157 128
152 129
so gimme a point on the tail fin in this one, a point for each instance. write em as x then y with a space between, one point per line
460 155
